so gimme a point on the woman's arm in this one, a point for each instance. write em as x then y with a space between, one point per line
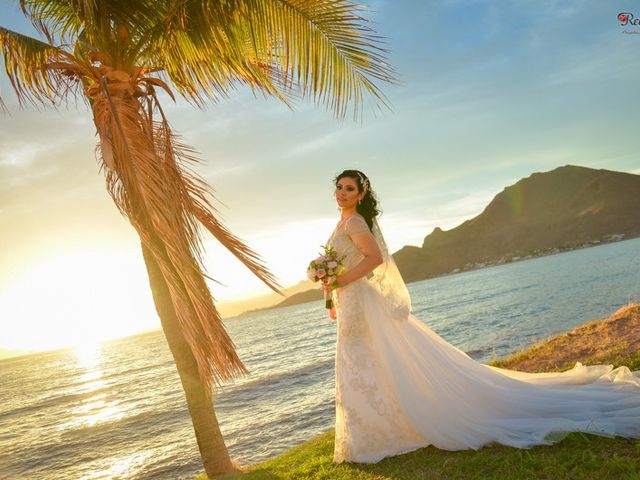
366 243
358 231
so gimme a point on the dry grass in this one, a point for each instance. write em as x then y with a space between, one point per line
611 341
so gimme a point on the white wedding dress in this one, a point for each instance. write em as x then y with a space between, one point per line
399 386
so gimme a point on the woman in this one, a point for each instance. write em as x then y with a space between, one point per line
399 386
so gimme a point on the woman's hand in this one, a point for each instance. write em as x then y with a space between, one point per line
329 287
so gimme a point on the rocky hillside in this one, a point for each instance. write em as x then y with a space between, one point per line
546 212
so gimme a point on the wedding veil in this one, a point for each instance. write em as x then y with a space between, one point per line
387 279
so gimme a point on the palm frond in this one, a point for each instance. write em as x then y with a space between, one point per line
57 20
198 209
192 44
325 46
35 68
321 48
63 21
166 203
324 49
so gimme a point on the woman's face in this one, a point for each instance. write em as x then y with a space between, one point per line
347 194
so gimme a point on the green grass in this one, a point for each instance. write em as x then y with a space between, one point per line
578 456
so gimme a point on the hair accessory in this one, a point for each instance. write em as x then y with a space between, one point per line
364 181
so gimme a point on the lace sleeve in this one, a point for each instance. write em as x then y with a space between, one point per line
355 224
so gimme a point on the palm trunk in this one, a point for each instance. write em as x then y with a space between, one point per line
213 451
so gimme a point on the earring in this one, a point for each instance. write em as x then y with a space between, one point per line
359 201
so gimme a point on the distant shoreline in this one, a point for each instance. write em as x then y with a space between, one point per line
506 259
615 238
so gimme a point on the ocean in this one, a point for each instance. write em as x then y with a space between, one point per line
117 410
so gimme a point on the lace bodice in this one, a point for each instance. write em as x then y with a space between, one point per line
341 241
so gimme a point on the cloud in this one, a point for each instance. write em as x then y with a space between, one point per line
26 178
305 147
19 154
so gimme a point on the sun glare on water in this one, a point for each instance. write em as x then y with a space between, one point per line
95 405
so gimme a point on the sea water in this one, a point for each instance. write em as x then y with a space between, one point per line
117 410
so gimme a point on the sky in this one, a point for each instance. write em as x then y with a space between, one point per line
488 93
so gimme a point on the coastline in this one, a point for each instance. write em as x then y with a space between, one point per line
314 295
613 340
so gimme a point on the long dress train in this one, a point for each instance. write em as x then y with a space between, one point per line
400 386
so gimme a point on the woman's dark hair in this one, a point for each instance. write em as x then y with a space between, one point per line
368 207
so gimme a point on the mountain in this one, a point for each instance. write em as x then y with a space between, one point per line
545 212
313 295
270 300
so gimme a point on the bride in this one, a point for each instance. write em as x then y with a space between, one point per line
399 386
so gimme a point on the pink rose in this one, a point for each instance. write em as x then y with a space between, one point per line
320 273
320 259
332 264
311 273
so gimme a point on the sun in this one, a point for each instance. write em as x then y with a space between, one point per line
77 299
88 353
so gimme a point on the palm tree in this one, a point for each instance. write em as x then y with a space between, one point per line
118 56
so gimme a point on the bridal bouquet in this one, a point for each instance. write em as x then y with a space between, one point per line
326 269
